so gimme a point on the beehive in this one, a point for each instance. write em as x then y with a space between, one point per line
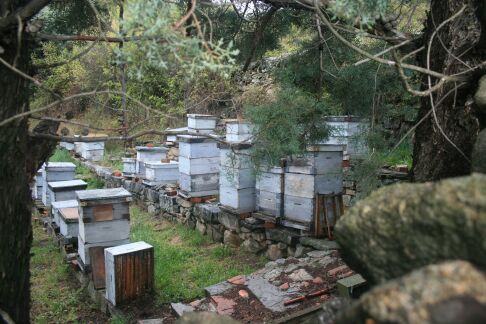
346 130
237 179
129 166
104 219
69 221
269 191
37 185
57 205
238 131
201 124
198 165
65 190
55 171
157 173
92 151
147 154
129 271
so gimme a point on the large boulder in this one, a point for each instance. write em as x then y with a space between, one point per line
448 293
403 227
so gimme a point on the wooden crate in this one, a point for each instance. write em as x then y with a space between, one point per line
199 182
161 173
242 200
65 190
270 203
308 185
83 249
92 151
129 271
96 232
197 147
195 166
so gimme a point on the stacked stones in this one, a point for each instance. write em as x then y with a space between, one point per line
237 178
317 172
104 220
55 172
147 154
199 158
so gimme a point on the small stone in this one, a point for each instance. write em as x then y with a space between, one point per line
231 239
282 246
291 268
243 294
280 261
317 280
290 251
284 286
272 274
305 284
238 280
245 230
318 254
252 246
180 308
201 227
274 253
224 306
300 275
196 303
271 265
301 250
277 283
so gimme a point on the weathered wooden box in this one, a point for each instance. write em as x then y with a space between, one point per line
61 204
129 271
198 121
236 178
197 147
92 151
148 153
308 185
65 190
320 159
196 166
129 166
270 182
243 200
270 203
238 131
100 205
199 185
237 156
83 248
161 173
97 232
69 221
298 212
55 171
347 130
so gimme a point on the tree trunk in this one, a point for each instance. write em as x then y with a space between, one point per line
455 48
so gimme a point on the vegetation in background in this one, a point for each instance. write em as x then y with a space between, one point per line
186 261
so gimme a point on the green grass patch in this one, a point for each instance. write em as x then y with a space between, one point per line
185 260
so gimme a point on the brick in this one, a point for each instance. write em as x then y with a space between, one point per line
337 270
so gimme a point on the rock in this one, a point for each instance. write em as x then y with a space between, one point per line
291 268
252 246
280 261
231 239
402 227
201 228
479 153
319 244
244 294
317 280
214 233
219 288
301 250
318 254
300 275
480 95
151 321
180 308
271 265
229 220
272 274
205 317
446 293
274 252
335 271
281 235
282 246
290 251
238 280
208 212
260 237
184 203
151 209
245 230
224 306
191 223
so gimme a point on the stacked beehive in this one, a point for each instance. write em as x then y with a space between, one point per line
237 178
269 191
92 151
346 131
53 172
158 173
319 171
199 158
65 190
58 205
37 185
148 154
129 166
104 220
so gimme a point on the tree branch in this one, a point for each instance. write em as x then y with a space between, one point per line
25 13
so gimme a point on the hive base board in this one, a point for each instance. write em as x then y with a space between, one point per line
242 213
198 194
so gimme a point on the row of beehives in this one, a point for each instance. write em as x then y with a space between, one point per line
91 151
99 222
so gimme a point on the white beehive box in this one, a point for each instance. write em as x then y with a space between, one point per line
65 190
308 185
83 248
298 212
348 131
66 145
69 221
243 200
92 151
99 205
238 131
270 203
197 147
104 231
37 186
198 166
320 159
148 153
201 122
55 171
129 271
199 185
238 157
129 166
157 173
61 204
236 178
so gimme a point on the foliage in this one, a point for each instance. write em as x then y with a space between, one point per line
187 255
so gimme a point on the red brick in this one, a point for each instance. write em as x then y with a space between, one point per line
337 270
238 280
243 294
284 286
224 306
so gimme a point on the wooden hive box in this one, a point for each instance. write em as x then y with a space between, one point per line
201 122
55 171
238 131
129 166
65 190
129 271
320 159
69 221
157 173
92 151
100 205
148 153
57 205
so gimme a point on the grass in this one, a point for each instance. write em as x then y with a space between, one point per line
185 260
82 172
56 294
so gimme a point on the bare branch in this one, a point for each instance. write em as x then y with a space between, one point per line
24 13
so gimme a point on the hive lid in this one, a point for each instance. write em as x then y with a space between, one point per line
128 248
67 184
53 166
152 148
64 204
201 116
101 194
158 164
176 130
236 146
194 139
69 214
325 148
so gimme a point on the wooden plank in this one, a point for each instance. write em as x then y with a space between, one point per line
97 256
103 213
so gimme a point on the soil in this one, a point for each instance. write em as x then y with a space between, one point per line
147 308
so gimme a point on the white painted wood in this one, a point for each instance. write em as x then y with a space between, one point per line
68 229
241 199
83 248
239 159
270 182
61 204
236 178
328 159
103 194
298 209
145 153
129 165
269 202
198 150
198 183
198 165
104 231
198 121
93 155
55 171
238 128
162 172
308 185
